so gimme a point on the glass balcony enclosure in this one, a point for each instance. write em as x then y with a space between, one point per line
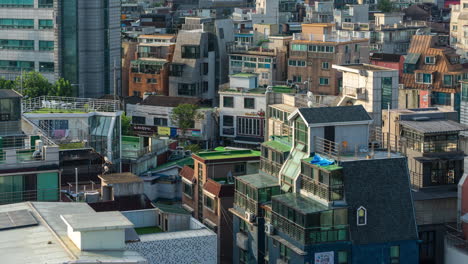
308 221
274 154
254 189
427 143
326 182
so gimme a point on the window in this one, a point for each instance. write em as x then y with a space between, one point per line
323 81
46 3
46 24
386 92
297 78
239 168
16 65
448 80
297 63
160 121
176 70
46 45
342 257
299 47
325 65
356 47
16 23
425 78
151 80
190 52
285 253
46 67
250 65
264 65
346 49
429 60
427 246
189 89
16 3
139 120
228 121
249 103
209 203
249 126
228 101
188 189
205 68
243 256
221 33
395 254
137 79
361 215
265 75
14 44
205 87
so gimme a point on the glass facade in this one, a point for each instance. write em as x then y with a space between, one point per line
46 45
16 3
100 128
16 65
46 24
386 92
46 3
29 187
46 67
69 39
13 44
16 23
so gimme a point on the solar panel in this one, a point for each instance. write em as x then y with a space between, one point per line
16 219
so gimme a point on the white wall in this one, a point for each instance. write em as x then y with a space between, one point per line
141 218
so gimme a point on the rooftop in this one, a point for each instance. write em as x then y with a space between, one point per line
125 177
70 105
7 93
171 208
434 126
244 75
276 145
97 221
229 154
366 67
300 203
259 180
260 90
169 101
336 114
180 163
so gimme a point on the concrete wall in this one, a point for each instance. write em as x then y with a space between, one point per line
142 218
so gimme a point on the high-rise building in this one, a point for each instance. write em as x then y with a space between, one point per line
76 40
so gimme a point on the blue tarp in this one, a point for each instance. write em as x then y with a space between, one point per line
318 160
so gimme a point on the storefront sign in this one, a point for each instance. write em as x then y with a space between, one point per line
164 131
145 129
324 258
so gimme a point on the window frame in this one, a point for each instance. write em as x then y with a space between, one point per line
251 104
231 105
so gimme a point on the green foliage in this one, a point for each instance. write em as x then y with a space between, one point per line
385 6
126 125
185 115
6 84
34 84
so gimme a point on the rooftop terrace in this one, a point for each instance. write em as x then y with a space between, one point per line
230 154
300 203
68 105
259 180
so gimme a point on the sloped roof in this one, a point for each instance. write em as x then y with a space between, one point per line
335 114
7 93
187 173
434 126
425 45
170 101
218 189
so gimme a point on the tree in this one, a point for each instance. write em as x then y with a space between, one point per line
385 6
126 125
6 84
33 84
62 87
185 115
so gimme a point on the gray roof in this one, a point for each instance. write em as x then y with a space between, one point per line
7 93
382 186
97 221
300 203
336 114
434 126
259 180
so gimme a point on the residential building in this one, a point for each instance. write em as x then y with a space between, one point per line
46 36
308 212
29 160
429 138
149 72
458 23
79 123
358 13
456 240
140 154
392 61
315 50
319 12
208 191
200 62
268 60
65 232
434 71
464 106
373 87
392 35
129 47
242 110
152 116
273 11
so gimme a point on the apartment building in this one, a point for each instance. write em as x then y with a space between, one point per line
358 13
373 87
458 25
208 191
313 52
319 12
433 70
29 159
149 72
315 202
429 138
47 36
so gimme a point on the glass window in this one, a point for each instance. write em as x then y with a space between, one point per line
188 189
160 121
46 45
190 52
239 168
151 80
361 216
386 92
297 78
249 103
46 67
228 121
189 89
228 101
299 47
209 203
17 65
14 44
342 257
16 23
46 24
323 81
16 3
46 3
429 60
137 79
325 65
448 80
395 254
141 120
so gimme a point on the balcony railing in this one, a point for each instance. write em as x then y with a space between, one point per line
33 195
270 166
456 241
248 204
326 192
69 104
137 153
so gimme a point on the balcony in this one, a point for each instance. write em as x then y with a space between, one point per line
57 104
359 93
243 49
321 190
32 195
246 203
270 166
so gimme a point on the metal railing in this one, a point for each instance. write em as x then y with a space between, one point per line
246 203
324 191
269 166
137 153
33 195
70 104
10 127
456 240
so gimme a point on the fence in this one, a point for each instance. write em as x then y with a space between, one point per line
70 104
32 195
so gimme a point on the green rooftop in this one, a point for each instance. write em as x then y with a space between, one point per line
244 75
300 203
228 154
148 230
331 167
259 180
171 208
276 145
57 111
261 90
181 163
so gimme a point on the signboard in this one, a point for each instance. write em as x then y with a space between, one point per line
424 101
164 131
145 129
324 258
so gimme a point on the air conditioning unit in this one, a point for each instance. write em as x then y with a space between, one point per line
250 217
269 229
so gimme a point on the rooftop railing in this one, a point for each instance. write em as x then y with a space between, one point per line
57 104
32 195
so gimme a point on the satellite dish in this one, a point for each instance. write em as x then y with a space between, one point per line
310 94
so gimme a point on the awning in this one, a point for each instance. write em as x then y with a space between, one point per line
412 58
